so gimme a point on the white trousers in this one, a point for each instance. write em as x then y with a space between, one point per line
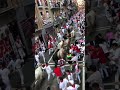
63 69
78 76
50 50
103 70
21 75
7 83
43 56
49 75
21 52
95 62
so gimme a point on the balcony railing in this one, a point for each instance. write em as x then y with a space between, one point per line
54 5
6 5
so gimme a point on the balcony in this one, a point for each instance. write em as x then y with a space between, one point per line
55 6
5 5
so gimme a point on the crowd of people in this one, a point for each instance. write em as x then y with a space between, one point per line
102 57
10 62
112 11
103 52
70 50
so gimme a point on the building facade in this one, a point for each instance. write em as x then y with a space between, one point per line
14 14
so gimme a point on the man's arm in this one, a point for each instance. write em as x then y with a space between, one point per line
10 64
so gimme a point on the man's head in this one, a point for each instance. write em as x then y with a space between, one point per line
93 68
67 71
46 64
73 55
95 86
114 45
61 79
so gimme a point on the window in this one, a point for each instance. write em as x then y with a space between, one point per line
39 2
3 4
41 13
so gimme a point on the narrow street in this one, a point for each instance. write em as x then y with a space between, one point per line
53 81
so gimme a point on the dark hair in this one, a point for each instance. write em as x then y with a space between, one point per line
87 85
55 65
40 49
61 78
114 45
48 88
73 54
35 53
46 63
103 41
67 70
95 85
91 43
93 68
97 46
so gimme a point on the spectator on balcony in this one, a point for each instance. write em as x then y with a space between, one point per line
4 73
20 47
90 18
95 77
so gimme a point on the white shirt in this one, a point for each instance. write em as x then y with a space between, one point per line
118 27
59 36
19 45
78 45
11 65
41 53
71 51
95 78
73 88
77 70
104 47
75 58
116 54
63 85
4 74
88 60
73 33
65 82
48 69
70 77
18 63
63 30
37 59
91 14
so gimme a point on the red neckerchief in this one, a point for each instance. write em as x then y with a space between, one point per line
69 73
61 80
73 85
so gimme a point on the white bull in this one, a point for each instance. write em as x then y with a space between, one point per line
61 53
38 78
60 45
67 42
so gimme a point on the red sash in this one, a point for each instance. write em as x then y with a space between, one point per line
8 47
2 49
50 45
